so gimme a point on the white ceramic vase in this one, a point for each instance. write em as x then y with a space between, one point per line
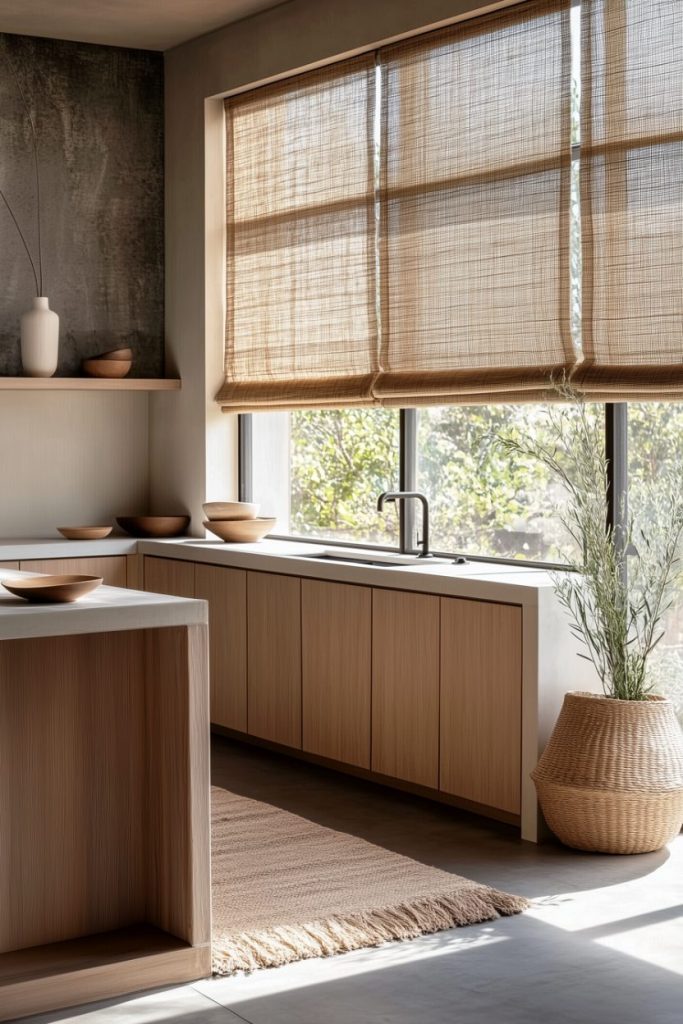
39 339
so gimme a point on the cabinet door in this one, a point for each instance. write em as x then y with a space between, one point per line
226 591
481 701
336 657
112 568
405 686
274 657
169 576
9 565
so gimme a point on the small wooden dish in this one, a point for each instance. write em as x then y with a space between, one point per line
154 526
85 532
117 354
241 531
53 589
111 368
226 510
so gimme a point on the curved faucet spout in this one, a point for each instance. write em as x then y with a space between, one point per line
386 496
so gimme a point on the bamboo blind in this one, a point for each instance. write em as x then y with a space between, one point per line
301 307
632 198
475 204
398 224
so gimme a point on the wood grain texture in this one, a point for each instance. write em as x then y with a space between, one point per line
48 978
178 887
169 576
336 621
112 568
274 657
481 701
226 592
134 572
71 787
405 686
9 565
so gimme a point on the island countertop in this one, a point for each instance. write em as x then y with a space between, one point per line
104 610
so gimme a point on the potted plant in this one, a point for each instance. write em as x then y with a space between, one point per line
611 776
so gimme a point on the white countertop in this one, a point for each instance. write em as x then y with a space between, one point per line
58 547
105 609
485 580
491 581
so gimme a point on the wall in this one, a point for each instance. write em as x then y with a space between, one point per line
70 458
293 36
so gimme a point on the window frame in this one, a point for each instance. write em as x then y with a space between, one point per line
616 511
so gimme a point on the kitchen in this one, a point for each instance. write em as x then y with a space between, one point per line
335 672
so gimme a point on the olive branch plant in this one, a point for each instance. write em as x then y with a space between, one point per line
624 580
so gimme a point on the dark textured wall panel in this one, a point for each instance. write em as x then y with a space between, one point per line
98 112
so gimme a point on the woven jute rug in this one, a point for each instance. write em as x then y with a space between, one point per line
287 889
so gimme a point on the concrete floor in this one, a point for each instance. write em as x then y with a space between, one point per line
602 944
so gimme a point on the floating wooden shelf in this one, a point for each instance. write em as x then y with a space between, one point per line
89 384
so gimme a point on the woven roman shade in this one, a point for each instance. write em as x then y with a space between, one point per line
301 325
632 198
475 209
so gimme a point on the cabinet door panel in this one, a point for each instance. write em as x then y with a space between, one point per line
336 658
112 568
226 591
481 702
405 686
169 576
274 657
9 565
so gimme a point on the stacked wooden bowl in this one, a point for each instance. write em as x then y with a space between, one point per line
237 522
116 363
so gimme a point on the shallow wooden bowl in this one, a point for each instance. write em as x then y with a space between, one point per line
241 531
111 368
227 510
117 354
85 532
53 589
154 526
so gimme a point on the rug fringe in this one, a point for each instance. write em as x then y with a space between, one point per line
273 947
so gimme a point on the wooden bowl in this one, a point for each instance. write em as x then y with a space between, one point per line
117 354
85 532
107 367
241 531
154 526
53 589
227 510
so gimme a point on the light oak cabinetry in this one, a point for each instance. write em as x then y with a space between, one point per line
169 576
405 686
9 565
336 662
274 657
418 688
112 568
226 592
481 702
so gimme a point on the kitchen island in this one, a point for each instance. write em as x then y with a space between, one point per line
104 797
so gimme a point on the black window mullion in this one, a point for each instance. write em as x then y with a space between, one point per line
407 476
245 483
616 451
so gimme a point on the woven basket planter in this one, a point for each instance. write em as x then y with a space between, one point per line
611 778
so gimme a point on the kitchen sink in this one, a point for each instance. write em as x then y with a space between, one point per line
384 559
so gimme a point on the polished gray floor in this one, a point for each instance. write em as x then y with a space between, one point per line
602 944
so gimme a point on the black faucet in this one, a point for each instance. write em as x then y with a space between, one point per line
402 496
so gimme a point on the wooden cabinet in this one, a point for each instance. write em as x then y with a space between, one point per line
336 658
274 657
112 568
405 686
226 592
481 702
9 565
169 576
